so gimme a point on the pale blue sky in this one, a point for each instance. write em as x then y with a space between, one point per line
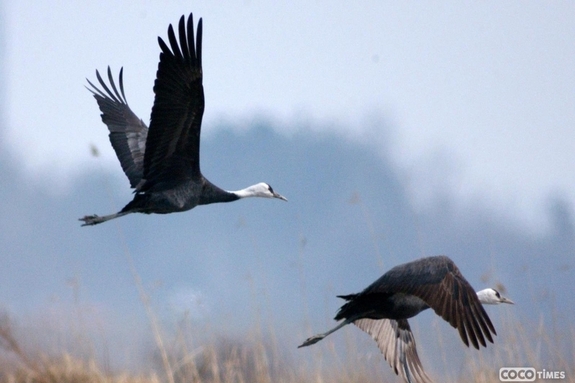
479 94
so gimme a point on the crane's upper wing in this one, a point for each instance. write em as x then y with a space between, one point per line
440 284
173 146
397 344
127 132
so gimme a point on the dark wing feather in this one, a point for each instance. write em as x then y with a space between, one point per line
173 148
397 344
440 284
128 133
466 314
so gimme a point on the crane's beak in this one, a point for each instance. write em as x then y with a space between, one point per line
277 195
507 300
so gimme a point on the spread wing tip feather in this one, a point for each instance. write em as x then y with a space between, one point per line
128 133
175 123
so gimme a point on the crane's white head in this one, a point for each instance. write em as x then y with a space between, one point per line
492 297
259 190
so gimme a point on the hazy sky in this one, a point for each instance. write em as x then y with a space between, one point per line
395 129
479 95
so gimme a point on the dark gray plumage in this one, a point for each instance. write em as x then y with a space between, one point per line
163 163
382 310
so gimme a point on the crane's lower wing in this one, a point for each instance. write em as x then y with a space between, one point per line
397 344
128 133
455 301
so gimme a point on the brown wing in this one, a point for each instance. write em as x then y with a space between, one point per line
397 344
128 133
173 146
455 301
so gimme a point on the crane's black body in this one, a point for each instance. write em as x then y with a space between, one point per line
163 162
432 282
384 307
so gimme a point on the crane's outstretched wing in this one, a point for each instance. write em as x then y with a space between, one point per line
440 284
397 344
173 147
128 133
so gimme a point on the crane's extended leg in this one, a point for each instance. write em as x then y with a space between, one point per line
316 338
90 220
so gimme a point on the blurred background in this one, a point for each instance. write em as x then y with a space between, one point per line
395 129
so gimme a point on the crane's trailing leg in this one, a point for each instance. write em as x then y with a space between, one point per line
90 220
316 338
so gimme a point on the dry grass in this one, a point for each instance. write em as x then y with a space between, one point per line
67 369
255 360
179 358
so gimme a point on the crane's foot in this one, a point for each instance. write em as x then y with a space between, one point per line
90 220
312 340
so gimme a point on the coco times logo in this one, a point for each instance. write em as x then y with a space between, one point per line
528 374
